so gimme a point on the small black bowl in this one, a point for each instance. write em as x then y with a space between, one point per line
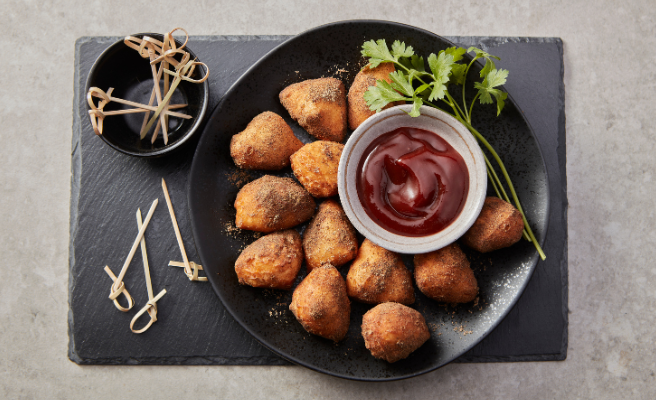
130 75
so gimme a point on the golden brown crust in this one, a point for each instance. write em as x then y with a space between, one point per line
266 143
271 203
392 331
358 110
319 106
315 165
321 305
498 225
378 275
272 261
330 237
444 275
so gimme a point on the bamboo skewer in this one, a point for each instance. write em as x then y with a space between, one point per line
151 305
158 95
120 290
118 286
192 275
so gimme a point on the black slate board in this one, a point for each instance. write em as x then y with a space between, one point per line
193 327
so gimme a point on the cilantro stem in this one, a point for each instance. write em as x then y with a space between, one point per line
494 178
489 147
464 102
471 107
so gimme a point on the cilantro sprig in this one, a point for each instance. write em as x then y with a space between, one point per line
412 82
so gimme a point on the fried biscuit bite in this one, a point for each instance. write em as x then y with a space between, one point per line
392 331
358 110
272 261
498 225
378 275
266 143
319 106
445 275
330 237
315 166
321 305
271 203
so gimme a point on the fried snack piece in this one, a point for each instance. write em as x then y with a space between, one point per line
319 106
498 225
272 261
358 110
315 166
445 275
392 331
330 237
378 275
271 203
321 305
266 143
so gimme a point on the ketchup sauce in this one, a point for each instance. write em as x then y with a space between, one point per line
412 182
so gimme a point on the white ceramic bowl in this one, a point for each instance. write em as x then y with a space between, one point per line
431 119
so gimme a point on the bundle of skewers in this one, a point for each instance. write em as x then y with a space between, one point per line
162 55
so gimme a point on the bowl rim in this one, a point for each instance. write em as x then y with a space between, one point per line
363 223
186 136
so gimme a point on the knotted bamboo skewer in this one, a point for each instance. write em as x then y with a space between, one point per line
192 275
158 52
151 305
97 114
118 286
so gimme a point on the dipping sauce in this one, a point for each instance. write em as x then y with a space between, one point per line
412 182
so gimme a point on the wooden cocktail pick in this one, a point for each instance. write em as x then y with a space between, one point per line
151 306
191 274
118 286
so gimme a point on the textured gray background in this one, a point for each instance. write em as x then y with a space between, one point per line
610 75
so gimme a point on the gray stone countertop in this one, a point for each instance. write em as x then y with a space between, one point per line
610 75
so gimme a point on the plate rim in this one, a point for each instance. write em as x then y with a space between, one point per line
535 259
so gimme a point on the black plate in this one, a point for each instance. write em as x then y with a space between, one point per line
334 50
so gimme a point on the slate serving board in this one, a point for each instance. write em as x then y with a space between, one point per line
193 327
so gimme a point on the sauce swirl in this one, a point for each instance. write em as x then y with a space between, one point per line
412 182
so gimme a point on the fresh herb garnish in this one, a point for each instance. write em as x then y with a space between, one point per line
412 82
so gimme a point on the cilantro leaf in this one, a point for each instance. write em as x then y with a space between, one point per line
486 89
413 63
381 95
458 74
489 64
481 53
421 88
456 52
399 50
377 52
418 63
441 67
401 83
416 104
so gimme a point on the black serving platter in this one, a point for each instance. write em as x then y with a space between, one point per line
334 50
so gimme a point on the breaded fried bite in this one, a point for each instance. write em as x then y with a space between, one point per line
330 237
321 305
319 106
378 275
358 110
444 275
392 331
315 165
272 261
271 203
498 225
266 143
